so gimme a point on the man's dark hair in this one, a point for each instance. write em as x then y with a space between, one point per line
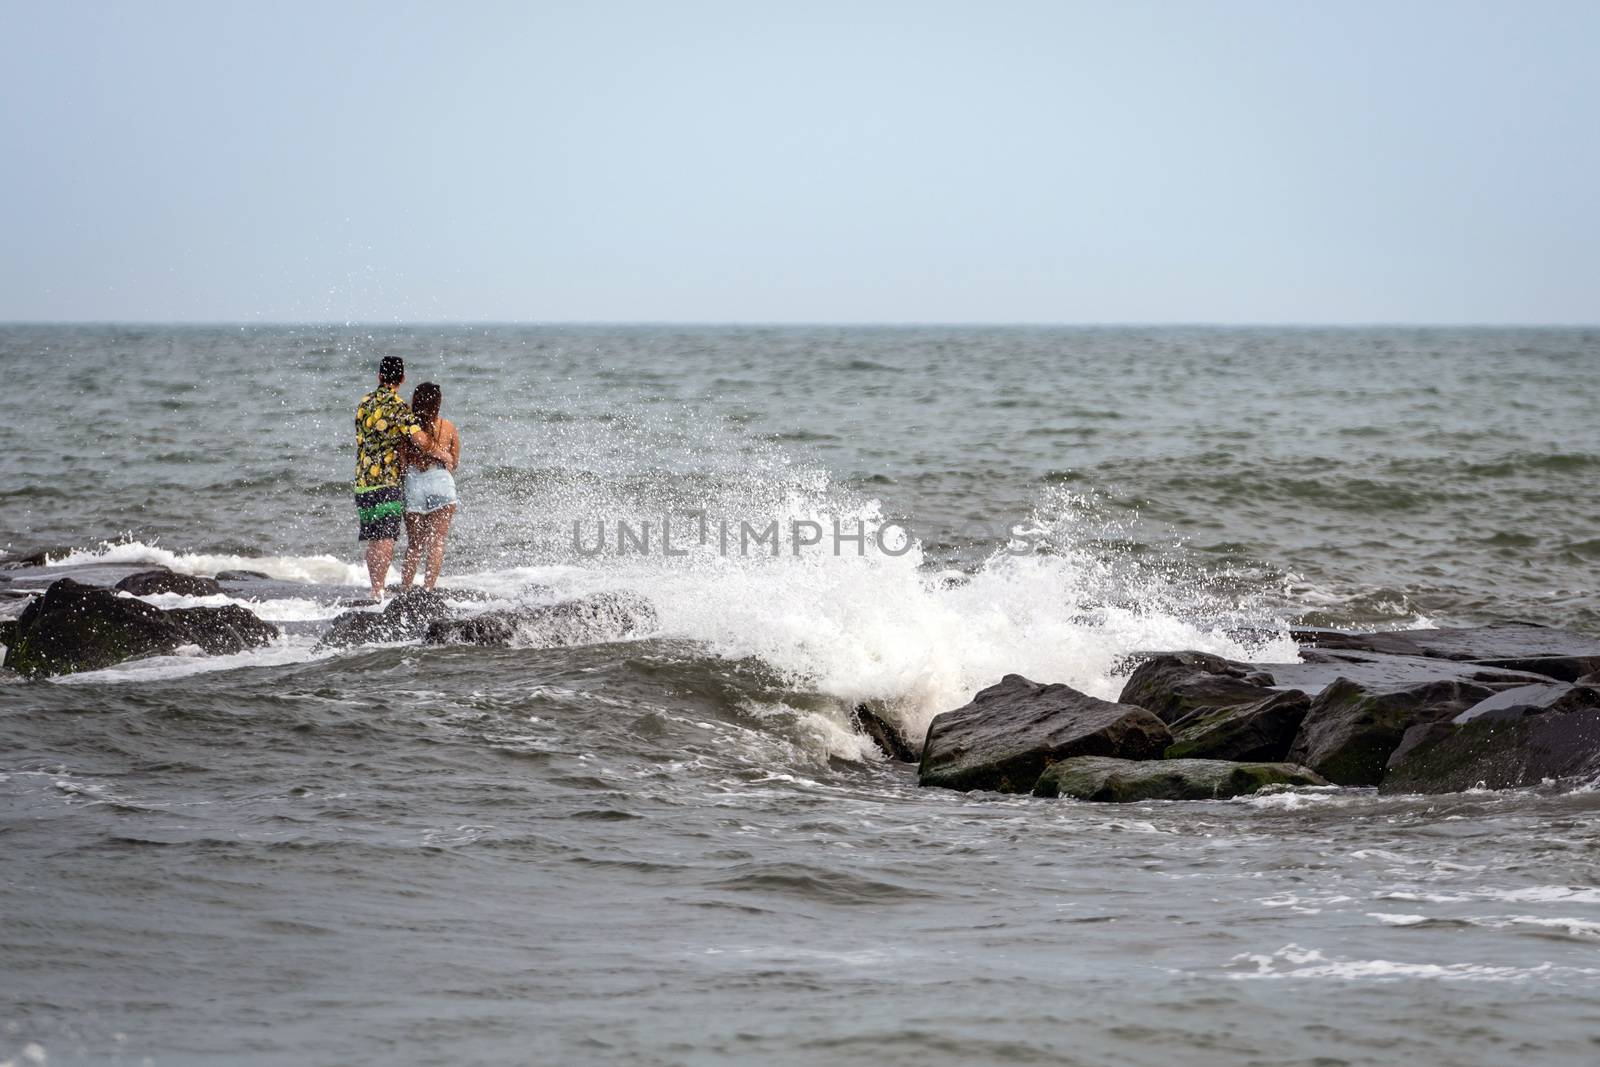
390 370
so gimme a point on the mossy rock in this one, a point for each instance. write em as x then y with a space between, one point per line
1539 738
1121 781
1352 729
1261 731
1013 730
1177 684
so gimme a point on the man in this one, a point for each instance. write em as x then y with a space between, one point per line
384 423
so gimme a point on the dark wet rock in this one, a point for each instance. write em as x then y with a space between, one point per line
405 618
77 627
1126 781
1516 738
884 733
1010 732
1518 646
1261 731
150 583
242 576
587 620
1592 678
1352 729
1174 684
8 631
223 630
492 628
1378 670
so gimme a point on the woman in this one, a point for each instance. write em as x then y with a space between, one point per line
430 486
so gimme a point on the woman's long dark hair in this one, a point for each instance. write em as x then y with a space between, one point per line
425 401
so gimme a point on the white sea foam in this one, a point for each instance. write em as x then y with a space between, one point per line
321 569
881 627
1395 919
1301 797
1536 894
1294 961
279 609
1573 927
191 661
1544 893
818 737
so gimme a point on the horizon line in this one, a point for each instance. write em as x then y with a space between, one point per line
823 323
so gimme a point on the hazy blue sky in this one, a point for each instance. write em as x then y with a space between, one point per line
801 162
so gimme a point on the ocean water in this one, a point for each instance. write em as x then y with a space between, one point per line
671 848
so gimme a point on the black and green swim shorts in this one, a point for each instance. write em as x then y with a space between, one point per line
379 511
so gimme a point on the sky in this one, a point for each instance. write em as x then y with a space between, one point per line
1235 162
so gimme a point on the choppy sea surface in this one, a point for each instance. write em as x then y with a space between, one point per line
672 849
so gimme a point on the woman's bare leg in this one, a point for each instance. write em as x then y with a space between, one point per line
416 534
438 531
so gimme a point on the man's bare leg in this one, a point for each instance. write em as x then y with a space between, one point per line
379 553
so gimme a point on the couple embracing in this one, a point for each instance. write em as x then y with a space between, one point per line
406 456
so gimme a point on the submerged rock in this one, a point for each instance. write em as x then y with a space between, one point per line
1175 684
404 618
1516 738
1351 729
38 558
242 576
76 627
587 620
149 583
1320 668
1124 781
1518 646
1262 731
885 734
1511 704
1010 732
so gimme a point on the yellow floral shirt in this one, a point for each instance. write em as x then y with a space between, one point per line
383 422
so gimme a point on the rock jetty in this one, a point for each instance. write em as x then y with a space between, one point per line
1413 711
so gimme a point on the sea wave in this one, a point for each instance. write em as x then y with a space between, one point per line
321 569
850 628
